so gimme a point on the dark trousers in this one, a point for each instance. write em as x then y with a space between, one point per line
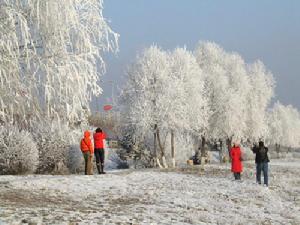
262 167
99 155
237 176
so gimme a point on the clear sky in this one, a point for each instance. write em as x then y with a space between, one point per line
268 30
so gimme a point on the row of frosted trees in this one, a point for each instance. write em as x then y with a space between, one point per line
183 98
50 66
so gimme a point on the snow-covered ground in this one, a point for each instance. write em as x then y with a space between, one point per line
182 196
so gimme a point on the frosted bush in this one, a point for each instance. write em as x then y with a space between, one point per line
247 153
75 162
53 141
113 160
296 155
18 151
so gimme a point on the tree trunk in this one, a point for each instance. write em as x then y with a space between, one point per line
221 151
173 149
156 158
164 162
197 157
162 150
158 163
155 153
203 150
277 148
228 142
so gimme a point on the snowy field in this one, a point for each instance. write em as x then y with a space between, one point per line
185 196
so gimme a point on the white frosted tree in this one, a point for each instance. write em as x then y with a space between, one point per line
51 57
284 126
259 99
227 86
50 66
143 94
165 95
209 94
187 101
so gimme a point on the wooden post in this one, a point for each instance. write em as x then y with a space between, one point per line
163 157
173 149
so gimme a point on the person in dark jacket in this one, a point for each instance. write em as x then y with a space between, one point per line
261 160
99 138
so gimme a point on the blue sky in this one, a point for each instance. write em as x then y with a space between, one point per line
268 30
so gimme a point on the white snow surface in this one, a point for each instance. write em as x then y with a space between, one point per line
176 196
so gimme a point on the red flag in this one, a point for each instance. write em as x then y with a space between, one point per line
107 107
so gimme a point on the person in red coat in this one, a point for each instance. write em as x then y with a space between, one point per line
99 138
236 161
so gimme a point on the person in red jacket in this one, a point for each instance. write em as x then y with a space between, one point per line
87 149
99 138
236 161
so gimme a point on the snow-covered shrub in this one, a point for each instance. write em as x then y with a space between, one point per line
18 151
214 157
137 153
113 161
53 141
296 154
75 161
247 153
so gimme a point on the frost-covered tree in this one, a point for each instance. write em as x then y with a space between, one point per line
211 95
51 57
284 125
187 101
143 94
259 99
165 94
50 64
227 86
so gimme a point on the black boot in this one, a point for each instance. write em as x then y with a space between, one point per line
99 168
102 168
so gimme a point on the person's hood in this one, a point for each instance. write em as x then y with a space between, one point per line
87 134
261 144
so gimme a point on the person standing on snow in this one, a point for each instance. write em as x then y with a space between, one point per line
236 161
99 138
261 161
87 149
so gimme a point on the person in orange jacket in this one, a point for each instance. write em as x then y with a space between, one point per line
99 139
87 149
236 161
